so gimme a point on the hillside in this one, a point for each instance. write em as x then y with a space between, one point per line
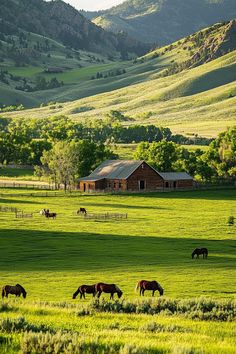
63 23
86 74
163 21
169 87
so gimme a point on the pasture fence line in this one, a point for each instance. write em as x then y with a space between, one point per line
7 209
22 215
27 186
106 216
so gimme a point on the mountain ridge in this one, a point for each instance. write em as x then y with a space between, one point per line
62 22
163 21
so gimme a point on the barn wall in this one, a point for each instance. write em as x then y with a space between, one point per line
185 183
144 173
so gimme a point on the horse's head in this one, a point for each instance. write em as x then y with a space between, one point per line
193 254
161 291
24 294
119 293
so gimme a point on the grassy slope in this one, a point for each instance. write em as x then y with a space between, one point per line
51 258
187 102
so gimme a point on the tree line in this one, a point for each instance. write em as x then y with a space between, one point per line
45 142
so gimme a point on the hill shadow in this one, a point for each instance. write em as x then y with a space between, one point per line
34 250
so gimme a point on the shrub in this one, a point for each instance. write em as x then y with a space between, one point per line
202 308
231 220
19 324
63 342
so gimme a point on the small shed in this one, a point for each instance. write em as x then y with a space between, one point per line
132 175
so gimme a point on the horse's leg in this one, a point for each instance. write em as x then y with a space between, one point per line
99 294
84 294
143 292
140 292
153 292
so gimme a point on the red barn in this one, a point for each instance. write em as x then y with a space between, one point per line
131 175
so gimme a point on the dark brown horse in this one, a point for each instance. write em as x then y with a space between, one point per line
199 251
149 285
50 215
88 289
82 211
14 290
108 289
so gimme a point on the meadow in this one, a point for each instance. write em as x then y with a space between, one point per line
51 258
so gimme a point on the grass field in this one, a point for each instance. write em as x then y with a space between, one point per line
52 257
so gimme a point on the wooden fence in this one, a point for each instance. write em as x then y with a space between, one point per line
105 216
22 215
27 185
7 209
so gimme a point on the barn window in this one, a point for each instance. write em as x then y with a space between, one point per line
120 185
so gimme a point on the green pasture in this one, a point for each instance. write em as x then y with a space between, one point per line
155 241
51 258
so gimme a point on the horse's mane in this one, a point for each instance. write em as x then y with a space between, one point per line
159 287
117 289
21 287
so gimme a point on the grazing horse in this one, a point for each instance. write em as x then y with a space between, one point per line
14 290
199 251
81 211
88 289
50 215
43 212
149 285
109 289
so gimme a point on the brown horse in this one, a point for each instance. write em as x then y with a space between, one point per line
199 251
88 289
149 285
82 211
50 215
109 289
14 290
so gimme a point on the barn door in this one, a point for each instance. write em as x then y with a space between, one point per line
142 185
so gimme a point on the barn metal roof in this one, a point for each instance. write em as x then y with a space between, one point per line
174 176
122 169
113 169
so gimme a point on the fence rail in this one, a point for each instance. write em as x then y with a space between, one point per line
6 209
105 216
26 185
22 215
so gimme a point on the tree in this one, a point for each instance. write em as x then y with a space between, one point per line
221 156
67 161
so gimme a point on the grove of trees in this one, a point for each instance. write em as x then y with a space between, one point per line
63 149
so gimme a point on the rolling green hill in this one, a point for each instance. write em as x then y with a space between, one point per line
163 21
169 87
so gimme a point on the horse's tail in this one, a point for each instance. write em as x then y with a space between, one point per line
137 286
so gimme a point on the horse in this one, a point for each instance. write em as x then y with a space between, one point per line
14 290
149 285
88 289
50 215
81 211
108 289
199 251
43 212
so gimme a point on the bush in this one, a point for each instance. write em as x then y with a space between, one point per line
231 220
202 308
19 324
63 342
